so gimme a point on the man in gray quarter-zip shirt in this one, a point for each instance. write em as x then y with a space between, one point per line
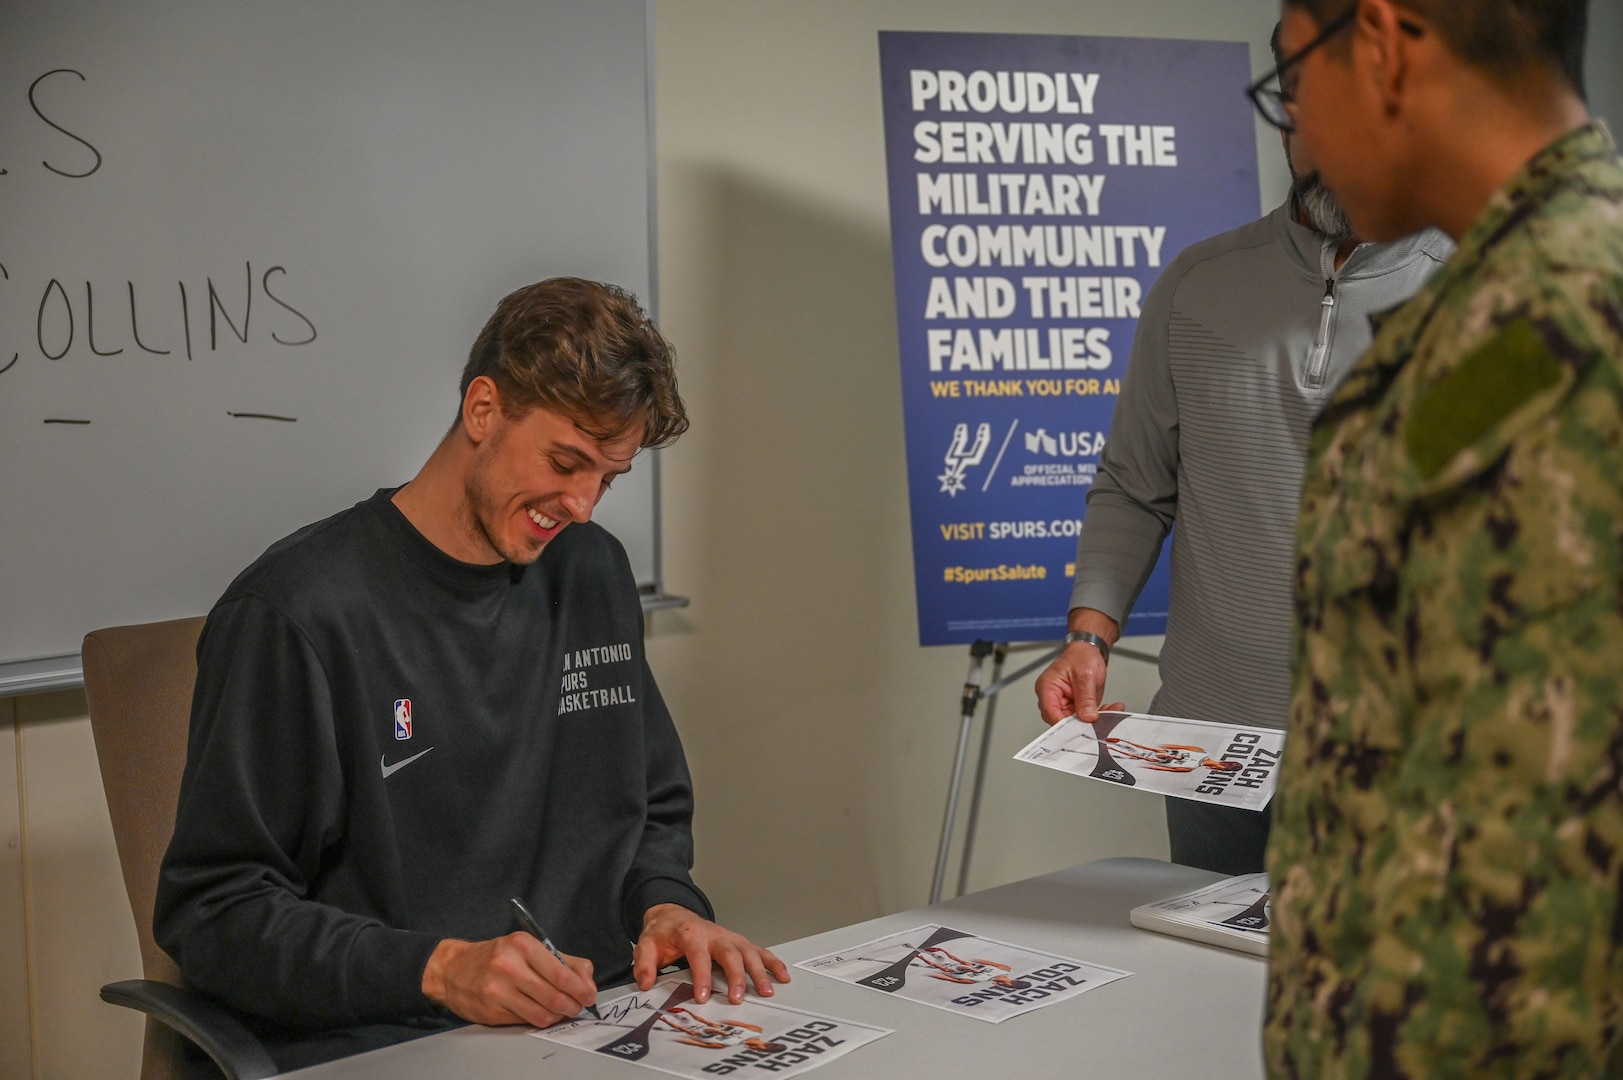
1241 342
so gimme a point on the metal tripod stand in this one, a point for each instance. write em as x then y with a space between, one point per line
973 693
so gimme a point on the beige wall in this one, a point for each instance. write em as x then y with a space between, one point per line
65 925
16 1043
820 734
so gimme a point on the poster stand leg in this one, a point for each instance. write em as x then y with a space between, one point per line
978 652
973 693
1000 652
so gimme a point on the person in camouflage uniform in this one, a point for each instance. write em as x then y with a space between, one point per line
1447 852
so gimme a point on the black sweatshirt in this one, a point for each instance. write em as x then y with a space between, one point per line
387 744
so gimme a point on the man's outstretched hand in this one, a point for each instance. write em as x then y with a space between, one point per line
1075 682
671 932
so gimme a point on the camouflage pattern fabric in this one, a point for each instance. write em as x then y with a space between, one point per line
1447 853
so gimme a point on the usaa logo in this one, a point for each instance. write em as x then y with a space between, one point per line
1065 444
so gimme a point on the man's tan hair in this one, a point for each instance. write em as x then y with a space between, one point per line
586 350
1505 38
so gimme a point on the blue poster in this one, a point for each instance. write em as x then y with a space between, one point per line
1038 185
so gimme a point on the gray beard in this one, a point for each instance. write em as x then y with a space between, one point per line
1320 207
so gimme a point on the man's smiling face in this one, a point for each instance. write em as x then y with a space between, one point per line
532 476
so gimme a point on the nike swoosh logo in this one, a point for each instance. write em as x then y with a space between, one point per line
390 770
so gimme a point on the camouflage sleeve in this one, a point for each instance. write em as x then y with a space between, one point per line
1497 943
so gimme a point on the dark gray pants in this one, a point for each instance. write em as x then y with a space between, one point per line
1222 838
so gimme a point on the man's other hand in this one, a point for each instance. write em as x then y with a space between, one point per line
507 980
671 932
1075 682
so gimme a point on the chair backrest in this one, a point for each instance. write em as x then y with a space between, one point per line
138 683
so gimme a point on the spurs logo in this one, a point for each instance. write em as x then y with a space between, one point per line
961 456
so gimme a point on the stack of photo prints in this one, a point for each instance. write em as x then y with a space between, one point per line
1232 913
960 972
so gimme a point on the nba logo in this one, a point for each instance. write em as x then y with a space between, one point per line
402 718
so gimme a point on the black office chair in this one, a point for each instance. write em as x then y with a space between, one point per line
138 681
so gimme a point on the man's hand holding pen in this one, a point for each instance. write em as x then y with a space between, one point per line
522 978
508 980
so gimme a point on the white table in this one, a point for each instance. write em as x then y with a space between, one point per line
1189 1010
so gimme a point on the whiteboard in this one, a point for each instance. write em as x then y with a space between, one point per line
244 249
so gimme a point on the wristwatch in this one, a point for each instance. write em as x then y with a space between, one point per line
1092 639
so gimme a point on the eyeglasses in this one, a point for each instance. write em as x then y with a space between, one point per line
1274 105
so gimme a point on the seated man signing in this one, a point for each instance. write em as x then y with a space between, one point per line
437 700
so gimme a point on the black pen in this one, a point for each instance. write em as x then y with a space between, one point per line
527 921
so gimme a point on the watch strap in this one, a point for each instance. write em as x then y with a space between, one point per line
1092 639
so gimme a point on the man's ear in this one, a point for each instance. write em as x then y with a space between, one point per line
1381 34
481 409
